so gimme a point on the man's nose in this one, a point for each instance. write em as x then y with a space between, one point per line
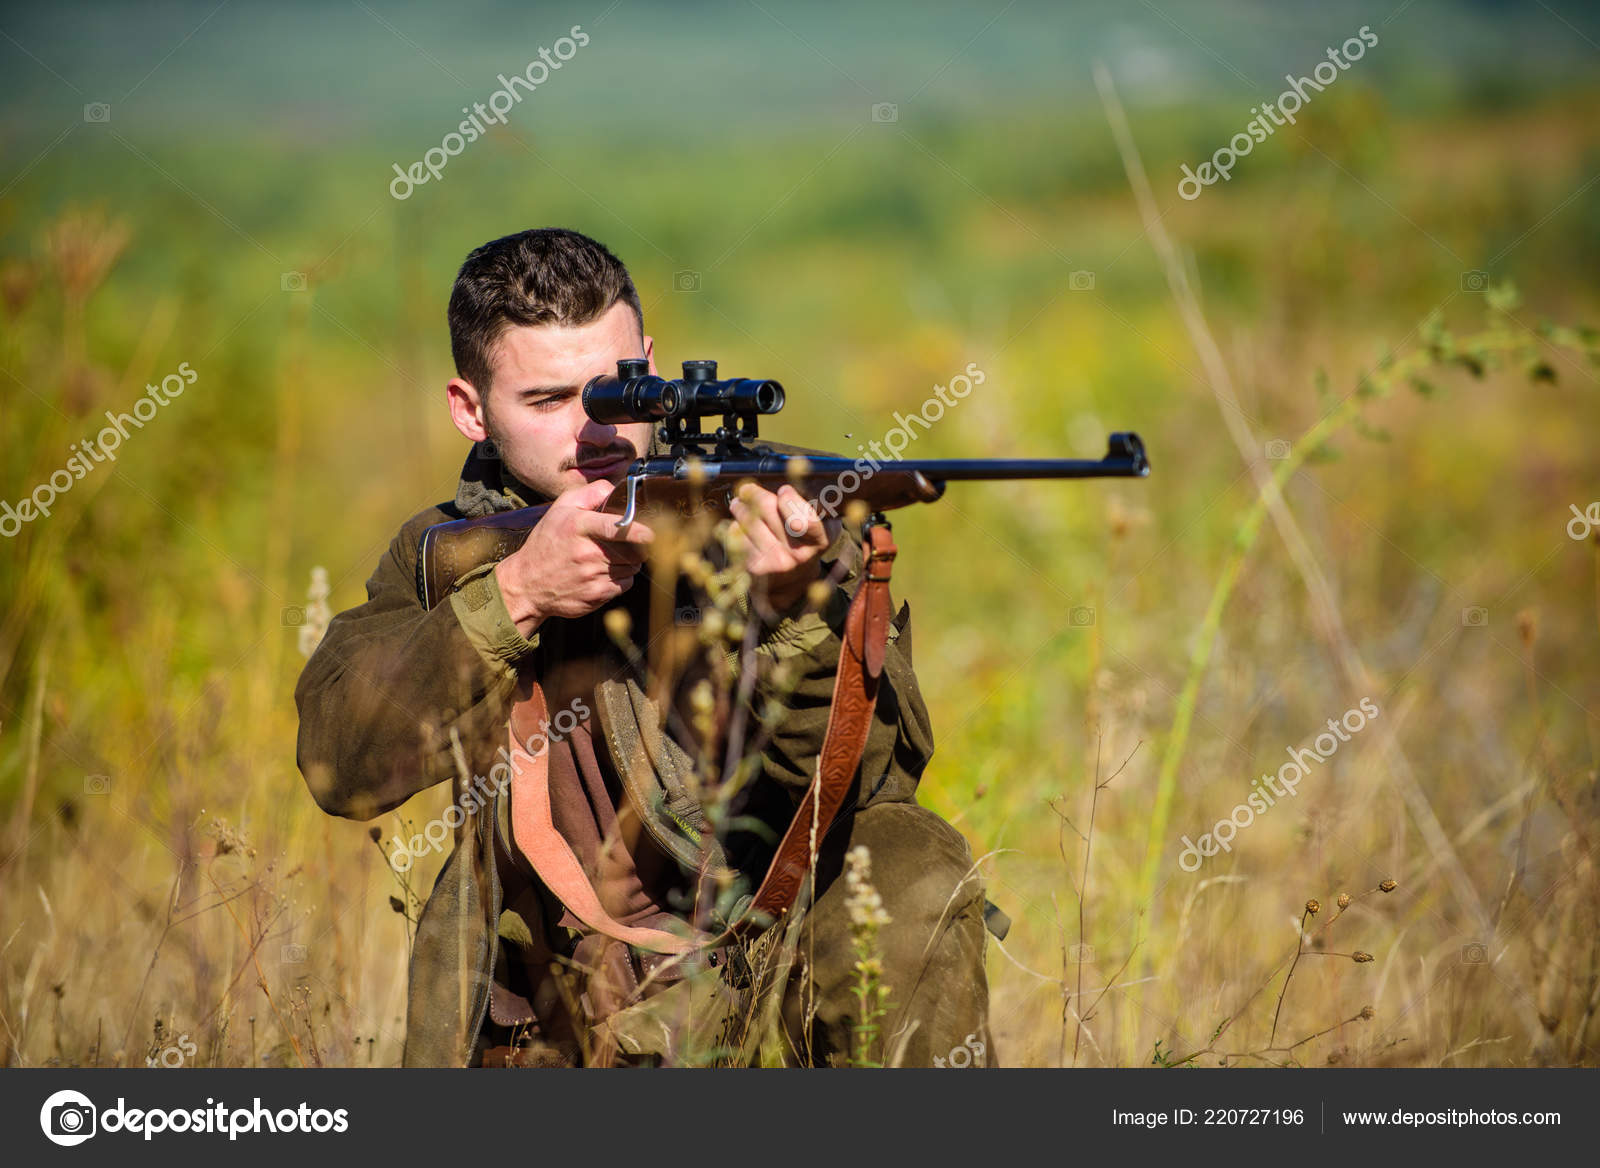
591 432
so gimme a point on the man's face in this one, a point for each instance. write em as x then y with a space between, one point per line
532 407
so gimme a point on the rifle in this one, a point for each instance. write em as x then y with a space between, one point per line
705 469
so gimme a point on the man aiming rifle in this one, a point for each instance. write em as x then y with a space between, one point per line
624 890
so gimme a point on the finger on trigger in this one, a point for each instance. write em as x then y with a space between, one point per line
636 532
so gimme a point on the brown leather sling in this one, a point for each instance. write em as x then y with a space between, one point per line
855 693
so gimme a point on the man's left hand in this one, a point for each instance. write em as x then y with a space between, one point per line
786 539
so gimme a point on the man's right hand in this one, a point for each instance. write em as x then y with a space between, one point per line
573 562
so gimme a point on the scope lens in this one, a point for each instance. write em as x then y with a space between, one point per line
769 397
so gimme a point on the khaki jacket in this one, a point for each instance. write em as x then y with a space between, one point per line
393 685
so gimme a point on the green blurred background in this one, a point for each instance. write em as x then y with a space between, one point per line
859 200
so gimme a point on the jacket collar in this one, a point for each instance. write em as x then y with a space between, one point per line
486 486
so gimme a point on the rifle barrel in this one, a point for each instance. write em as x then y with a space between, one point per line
977 469
1124 459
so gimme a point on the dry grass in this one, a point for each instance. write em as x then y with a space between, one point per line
167 883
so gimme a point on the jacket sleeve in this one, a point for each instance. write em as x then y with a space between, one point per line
390 680
807 646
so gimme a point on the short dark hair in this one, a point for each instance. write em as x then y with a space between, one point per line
543 276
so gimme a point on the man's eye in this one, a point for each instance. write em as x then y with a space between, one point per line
553 402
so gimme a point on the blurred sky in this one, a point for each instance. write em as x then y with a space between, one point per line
337 70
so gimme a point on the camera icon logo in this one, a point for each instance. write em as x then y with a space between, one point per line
292 281
1081 281
68 1118
1080 954
687 280
687 615
885 111
1082 616
488 450
292 954
97 111
1277 450
1474 953
97 784
1474 281
1474 617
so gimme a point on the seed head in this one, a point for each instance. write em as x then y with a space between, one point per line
1367 1013
694 566
1313 907
1360 958
1387 886
864 905
732 538
618 624
1344 900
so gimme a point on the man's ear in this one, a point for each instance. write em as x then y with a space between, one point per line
650 354
466 409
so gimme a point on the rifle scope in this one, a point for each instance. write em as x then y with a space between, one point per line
633 395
